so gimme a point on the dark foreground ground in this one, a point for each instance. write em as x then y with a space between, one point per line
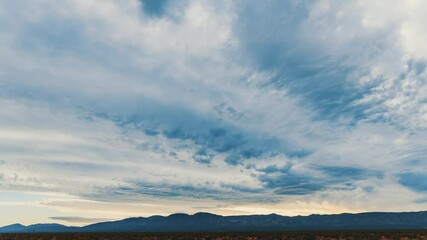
320 235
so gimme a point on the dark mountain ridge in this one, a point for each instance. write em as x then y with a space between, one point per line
180 222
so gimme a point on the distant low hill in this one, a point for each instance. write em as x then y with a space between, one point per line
210 222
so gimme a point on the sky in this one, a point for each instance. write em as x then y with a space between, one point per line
120 108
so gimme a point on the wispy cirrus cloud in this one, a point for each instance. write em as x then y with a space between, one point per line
217 103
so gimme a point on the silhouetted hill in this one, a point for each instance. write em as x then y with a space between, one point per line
47 227
210 222
13 228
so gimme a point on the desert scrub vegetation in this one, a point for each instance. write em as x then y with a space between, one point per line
301 235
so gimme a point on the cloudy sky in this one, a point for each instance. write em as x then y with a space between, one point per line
118 108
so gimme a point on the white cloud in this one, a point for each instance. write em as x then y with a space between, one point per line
82 80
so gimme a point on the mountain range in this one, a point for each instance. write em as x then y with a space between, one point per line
180 222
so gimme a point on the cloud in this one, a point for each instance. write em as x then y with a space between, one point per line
351 173
215 102
79 219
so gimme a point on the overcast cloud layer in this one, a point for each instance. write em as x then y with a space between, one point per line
118 108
